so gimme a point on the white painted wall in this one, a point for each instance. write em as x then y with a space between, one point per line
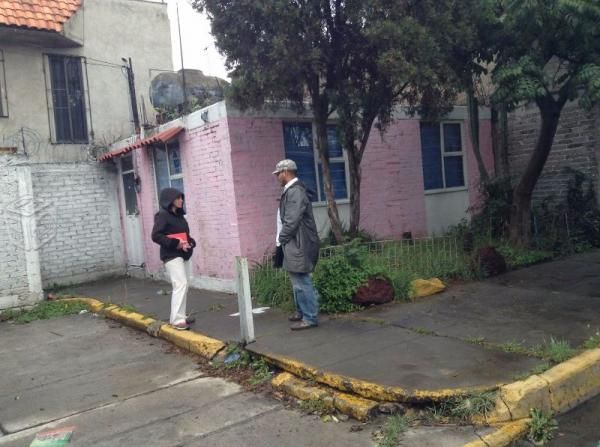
81 230
444 209
108 30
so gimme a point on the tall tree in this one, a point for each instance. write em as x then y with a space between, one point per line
549 54
280 50
415 54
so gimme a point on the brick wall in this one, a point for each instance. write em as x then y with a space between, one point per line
256 146
14 283
392 191
79 232
210 199
575 145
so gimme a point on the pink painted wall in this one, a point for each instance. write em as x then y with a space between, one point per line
211 203
485 143
256 146
392 191
232 198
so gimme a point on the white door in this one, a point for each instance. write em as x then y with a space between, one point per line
133 226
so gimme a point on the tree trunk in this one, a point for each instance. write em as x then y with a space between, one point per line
355 178
473 106
500 139
520 217
332 211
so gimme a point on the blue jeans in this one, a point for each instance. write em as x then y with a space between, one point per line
305 296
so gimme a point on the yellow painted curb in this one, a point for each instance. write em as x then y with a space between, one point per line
555 391
189 340
365 389
357 407
192 341
503 436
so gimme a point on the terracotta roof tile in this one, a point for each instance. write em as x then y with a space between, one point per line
45 15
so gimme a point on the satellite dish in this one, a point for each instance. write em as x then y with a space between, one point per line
166 89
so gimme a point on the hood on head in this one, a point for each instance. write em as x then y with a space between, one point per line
168 196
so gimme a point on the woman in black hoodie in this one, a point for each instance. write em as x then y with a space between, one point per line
172 233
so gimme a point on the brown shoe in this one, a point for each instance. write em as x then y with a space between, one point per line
295 317
302 325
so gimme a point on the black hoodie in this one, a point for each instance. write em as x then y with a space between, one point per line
167 222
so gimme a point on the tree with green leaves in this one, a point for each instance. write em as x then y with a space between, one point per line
356 58
415 54
285 51
549 53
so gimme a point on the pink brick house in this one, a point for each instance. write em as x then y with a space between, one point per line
417 177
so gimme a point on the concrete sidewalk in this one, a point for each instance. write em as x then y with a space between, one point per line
432 345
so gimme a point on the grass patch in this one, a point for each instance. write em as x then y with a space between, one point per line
271 288
262 371
423 331
44 311
522 257
541 427
514 347
556 351
593 342
464 408
128 308
394 427
475 340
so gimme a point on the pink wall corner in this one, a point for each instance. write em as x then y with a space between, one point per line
209 185
256 146
148 205
485 143
392 191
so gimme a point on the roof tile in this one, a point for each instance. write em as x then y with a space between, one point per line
45 15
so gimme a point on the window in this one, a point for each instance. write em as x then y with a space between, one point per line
299 146
68 99
3 95
129 183
442 152
167 167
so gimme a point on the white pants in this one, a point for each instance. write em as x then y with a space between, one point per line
179 272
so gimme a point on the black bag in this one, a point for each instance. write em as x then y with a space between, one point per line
278 257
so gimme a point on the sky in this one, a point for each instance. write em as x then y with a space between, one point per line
199 50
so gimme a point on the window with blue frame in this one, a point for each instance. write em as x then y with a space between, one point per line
299 146
442 154
167 167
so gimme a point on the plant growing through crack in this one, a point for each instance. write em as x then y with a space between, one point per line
541 427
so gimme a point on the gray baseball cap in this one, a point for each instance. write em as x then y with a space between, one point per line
285 165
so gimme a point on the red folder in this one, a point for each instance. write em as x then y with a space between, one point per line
179 236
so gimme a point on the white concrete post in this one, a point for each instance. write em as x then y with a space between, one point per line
244 300
28 215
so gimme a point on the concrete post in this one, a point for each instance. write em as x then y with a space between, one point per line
28 215
244 300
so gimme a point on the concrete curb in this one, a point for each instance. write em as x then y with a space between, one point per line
359 408
555 391
192 341
368 390
503 436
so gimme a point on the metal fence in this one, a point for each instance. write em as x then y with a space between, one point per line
422 257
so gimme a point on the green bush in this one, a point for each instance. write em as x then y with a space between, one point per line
338 276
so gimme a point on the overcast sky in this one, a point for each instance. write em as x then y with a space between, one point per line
198 45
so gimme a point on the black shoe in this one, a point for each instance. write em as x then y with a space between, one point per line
302 325
295 317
